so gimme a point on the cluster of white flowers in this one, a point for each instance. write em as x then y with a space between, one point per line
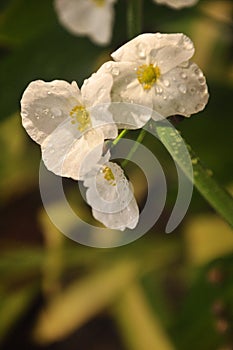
72 124
94 18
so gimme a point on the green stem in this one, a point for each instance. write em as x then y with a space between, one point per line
134 148
217 196
122 134
134 18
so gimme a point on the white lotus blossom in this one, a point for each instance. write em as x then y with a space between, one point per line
153 70
111 197
177 4
92 18
69 124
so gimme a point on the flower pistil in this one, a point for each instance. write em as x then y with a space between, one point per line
148 75
80 115
108 175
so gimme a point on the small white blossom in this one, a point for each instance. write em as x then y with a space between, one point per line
69 124
177 4
153 70
111 197
92 18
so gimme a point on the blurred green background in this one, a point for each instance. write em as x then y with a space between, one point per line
161 292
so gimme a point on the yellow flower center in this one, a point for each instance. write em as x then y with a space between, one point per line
81 116
108 175
148 75
99 3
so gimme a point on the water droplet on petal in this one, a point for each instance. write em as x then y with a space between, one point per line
166 83
45 111
141 50
187 43
202 80
159 90
181 109
115 71
192 90
165 97
182 88
183 75
56 112
199 106
49 92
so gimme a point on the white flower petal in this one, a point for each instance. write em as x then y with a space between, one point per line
111 197
177 4
67 153
126 88
183 91
44 105
127 218
164 50
96 89
85 17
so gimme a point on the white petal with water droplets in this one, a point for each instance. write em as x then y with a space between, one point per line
165 50
96 95
184 92
111 199
68 153
130 114
44 105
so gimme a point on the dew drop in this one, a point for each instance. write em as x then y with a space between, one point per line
192 90
188 44
183 75
45 111
181 109
159 90
182 88
199 106
165 97
56 112
49 92
166 83
115 71
202 80
141 50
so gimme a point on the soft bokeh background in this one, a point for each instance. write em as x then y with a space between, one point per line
161 292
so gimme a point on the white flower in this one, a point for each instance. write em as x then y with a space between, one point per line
93 18
69 124
153 70
111 197
177 4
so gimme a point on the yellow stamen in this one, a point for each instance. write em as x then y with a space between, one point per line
148 75
108 175
99 3
80 115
